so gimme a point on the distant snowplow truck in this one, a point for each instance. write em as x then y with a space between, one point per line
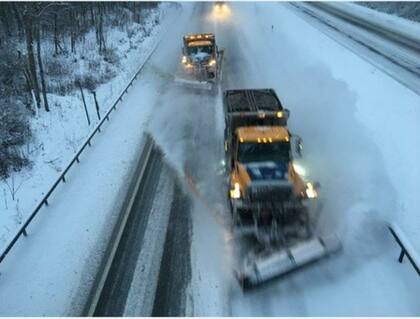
269 200
201 61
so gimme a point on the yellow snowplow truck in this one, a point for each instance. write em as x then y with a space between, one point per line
201 62
270 201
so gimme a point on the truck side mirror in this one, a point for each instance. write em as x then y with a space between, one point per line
298 145
221 170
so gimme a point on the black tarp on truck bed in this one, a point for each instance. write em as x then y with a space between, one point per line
252 107
252 100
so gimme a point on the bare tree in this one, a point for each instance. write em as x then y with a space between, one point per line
18 19
4 18
41 69
11 185
57 47
100 28
28 18
5 199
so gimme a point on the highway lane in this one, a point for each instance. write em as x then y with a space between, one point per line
188 126
280 50
112 301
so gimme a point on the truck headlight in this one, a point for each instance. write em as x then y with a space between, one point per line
235 193
212 62
184 59
311 191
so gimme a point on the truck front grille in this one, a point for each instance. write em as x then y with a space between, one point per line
270 191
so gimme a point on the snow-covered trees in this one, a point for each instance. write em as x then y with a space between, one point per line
14 127
14 131
45 47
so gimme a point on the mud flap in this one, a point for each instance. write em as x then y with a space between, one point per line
275 263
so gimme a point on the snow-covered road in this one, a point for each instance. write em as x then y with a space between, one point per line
359 144
397 56
361 137
360 130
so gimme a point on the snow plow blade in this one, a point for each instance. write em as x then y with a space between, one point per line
276 263
201 85
201 81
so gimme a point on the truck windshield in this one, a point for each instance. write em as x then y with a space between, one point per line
261 152
208 49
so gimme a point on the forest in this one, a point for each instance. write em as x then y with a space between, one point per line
46 51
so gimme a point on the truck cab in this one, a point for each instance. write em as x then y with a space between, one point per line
200 56
262 165
260 152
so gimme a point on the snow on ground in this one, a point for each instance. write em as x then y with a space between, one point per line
355 111
211 274
142 290
183 124
360 132
59 133
399 61
38 280
395 129
407 10
386 21
336 113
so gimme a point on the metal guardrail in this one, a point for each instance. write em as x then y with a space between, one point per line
404 249
147 156
395 42
395 32
76 158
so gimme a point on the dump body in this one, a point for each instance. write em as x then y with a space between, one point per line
251 107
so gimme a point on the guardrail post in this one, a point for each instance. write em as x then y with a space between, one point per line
63 179
24 232
400 259
46 202
99 129
77 159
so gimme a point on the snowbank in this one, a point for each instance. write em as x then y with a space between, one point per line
400 29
